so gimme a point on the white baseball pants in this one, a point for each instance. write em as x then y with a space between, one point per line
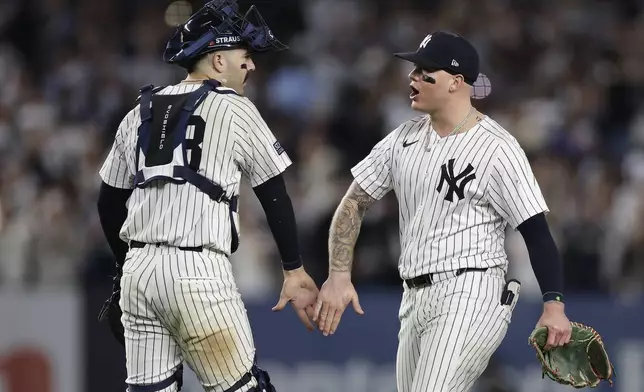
184 305
449 331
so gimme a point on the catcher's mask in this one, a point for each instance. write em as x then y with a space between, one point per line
219 26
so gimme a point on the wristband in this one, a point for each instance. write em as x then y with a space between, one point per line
291 265
553 296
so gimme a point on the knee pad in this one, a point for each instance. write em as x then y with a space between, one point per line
177 377
263 380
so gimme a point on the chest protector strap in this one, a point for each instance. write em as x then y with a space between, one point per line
162 145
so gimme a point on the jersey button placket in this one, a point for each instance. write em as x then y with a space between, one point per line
433 145
431 141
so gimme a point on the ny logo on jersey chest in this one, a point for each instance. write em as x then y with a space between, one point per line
453 185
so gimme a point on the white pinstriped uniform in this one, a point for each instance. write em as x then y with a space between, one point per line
184 305
450 329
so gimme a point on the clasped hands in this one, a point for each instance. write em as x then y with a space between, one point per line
322 307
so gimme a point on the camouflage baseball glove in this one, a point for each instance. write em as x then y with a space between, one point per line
583 362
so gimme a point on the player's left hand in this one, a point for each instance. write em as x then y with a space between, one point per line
559 328
300 290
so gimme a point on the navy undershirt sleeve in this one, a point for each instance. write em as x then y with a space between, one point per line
112 211
280 216
544 256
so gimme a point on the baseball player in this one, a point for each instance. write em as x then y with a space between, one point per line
460 178
168 206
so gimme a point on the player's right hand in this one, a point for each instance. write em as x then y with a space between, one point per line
300 290
334 297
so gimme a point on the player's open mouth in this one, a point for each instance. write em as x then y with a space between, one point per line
414 93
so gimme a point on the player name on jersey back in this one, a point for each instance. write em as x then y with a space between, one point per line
456 194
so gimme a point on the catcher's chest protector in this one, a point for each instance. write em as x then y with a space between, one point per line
162 145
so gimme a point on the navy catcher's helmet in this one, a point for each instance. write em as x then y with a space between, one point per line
219 26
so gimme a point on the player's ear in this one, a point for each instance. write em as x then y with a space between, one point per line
218 61
455 83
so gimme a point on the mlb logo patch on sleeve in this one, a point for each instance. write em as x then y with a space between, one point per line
278 148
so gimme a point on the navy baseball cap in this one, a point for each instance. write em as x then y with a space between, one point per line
449 52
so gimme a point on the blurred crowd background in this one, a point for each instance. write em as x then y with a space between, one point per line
567 81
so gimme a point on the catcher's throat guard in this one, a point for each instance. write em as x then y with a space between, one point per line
220 26
581 363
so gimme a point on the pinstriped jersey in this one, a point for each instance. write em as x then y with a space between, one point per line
456 194
236 142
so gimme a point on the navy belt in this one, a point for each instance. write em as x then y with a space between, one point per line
427 279
138 244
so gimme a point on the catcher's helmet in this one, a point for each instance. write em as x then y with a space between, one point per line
219 26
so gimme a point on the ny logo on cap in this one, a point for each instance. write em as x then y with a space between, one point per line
425 41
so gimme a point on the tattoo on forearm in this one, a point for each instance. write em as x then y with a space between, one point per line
345 227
